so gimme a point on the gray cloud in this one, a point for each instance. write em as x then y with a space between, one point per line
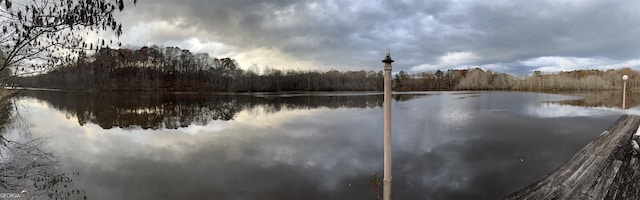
354 34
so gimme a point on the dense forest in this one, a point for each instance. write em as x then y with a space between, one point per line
175 69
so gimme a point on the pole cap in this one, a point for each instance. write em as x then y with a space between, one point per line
387 58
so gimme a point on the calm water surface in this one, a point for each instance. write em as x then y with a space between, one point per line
446 145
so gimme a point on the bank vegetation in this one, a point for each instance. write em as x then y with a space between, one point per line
175 69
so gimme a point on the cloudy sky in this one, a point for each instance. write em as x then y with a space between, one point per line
507 36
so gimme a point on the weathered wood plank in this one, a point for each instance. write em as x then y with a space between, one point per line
631 189
603 169
605 181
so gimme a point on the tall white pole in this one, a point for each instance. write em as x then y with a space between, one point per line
386 189
624 92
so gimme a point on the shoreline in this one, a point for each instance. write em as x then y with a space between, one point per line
6 94
302 91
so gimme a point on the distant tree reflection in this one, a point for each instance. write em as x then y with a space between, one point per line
151 110
610 99
25 165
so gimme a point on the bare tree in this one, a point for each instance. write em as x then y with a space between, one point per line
47 32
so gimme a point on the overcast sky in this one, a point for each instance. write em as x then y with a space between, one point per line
510 36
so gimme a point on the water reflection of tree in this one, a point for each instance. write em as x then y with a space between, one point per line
25 165
611 99
149 110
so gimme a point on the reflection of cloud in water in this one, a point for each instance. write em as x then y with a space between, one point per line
555 110
25 163
262 118
444 148
259 142
455 113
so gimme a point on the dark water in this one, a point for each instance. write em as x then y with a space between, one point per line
448 145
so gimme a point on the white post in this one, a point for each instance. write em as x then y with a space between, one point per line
386 190
624 92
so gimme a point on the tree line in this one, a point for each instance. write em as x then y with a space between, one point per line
479 79
174 69
592 79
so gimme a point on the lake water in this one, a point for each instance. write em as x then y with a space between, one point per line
446 145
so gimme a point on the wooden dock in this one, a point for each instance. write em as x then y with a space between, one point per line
604 169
